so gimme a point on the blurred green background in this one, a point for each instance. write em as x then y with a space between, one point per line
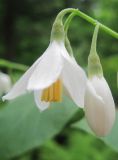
26 134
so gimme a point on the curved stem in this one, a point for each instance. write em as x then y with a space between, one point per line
65 11
95 22
94 40
68 21
66 26
90 20
11 65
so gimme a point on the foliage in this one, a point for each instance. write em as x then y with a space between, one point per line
23 127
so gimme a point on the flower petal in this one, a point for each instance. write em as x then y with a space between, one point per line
48 70
102 89
37 97
100 114
20 87
74 79
5 83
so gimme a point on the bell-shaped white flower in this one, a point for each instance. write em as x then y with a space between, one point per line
5 83
99 103
47 76
52 72
99 106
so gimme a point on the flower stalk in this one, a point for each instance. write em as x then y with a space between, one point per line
94 22
94 65
66 26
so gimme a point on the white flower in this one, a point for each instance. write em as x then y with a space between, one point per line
47 76
5 83
99 106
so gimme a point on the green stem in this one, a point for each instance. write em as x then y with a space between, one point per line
66 26
94 40
11 65
92 21
68 46
68 21
63 12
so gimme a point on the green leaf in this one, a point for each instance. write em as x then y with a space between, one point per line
111 139
23 127
78 146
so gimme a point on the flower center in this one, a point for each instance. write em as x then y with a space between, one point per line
53 93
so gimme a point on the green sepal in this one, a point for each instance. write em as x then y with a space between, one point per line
57 32
94 65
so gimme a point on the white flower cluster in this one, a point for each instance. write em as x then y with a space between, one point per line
56 71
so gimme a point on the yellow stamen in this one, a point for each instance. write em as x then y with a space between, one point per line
53 93
45 95
57 91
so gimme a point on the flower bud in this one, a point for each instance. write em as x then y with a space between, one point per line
5 83
99 106
99 103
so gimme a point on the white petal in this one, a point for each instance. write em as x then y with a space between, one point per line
102 89
48 70
99 111
5 83
20 87
74 79
37 97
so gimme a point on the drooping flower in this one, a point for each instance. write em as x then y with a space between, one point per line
5 83
53 70
99 106
99 103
